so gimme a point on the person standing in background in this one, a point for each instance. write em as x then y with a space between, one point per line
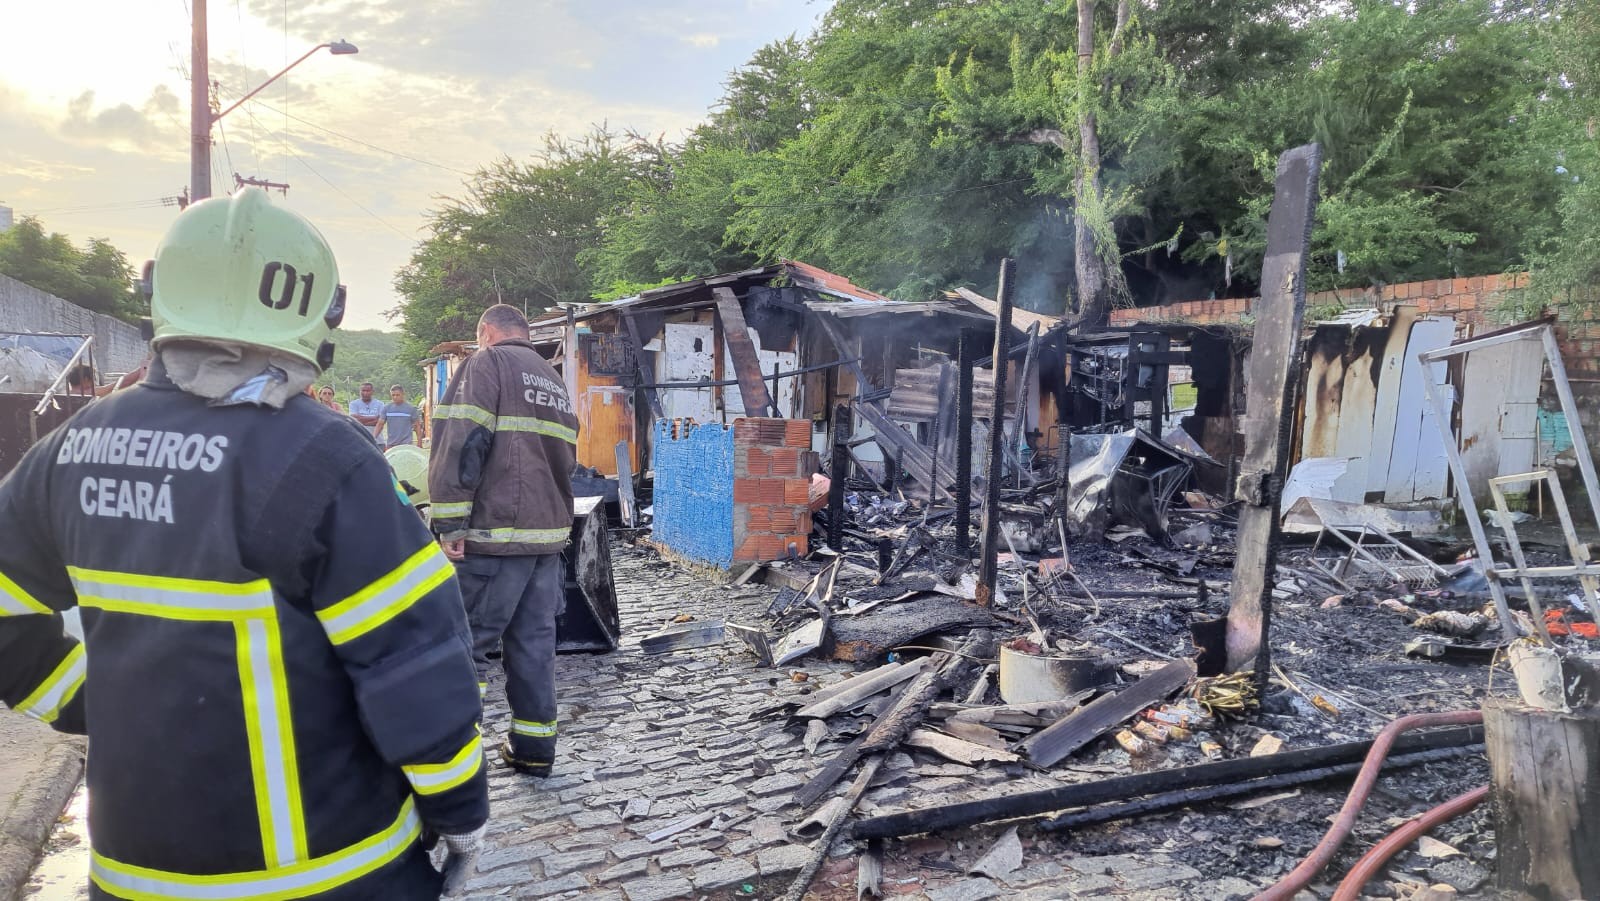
325 397
366 409
399 420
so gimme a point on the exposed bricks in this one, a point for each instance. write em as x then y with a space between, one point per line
747 491
797 491
771 493
798 433
784 461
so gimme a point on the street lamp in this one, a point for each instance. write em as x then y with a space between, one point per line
200 116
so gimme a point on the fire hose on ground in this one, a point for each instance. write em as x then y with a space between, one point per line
1322 854
1372 861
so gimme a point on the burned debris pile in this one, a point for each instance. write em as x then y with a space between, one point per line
1071 595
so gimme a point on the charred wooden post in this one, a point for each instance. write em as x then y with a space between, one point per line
1546 798
1011 805
966 358
836 475
990 550
1270 408
753 392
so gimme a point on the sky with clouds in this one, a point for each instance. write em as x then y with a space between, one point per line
94 106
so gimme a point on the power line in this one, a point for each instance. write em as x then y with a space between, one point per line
118 206
367 144
346 196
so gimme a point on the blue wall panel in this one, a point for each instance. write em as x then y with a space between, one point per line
694 492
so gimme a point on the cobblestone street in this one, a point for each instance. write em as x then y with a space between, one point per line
647 741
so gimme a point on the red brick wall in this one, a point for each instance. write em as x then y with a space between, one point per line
1471 301
771 488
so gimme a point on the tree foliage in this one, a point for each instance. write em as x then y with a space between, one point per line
96 276
369 355
515 236
911 144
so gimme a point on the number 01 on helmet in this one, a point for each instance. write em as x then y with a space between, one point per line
241 269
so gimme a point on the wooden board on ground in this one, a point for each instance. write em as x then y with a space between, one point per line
1049 747
956 749
856 690
867 637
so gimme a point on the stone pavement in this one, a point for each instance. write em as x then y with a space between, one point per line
647 741
39 768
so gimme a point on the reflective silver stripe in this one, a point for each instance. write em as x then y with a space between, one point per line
518 536
179 594
312 877
268 720
431 779
534 728
538 426
16 602
395 592
58 688
455 510
470 413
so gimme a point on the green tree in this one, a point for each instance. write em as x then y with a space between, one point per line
516 237
1420 109
1566 261
96 277
368 355
673 223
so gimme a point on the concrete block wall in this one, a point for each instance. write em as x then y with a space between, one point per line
771 488
694 491
24 308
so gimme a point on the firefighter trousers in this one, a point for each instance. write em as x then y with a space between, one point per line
512 603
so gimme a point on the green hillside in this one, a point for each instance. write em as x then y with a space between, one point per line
369 355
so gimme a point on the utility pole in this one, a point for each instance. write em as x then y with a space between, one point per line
199 106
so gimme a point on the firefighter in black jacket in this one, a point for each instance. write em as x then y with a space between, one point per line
276 675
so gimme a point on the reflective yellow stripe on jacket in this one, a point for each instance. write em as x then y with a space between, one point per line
468 412
437 778
495 423
538 426
16 602
453 510
58 689
518 536
387 597
299 880
251 609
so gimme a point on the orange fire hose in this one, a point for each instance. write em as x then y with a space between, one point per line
1322 854
1373 861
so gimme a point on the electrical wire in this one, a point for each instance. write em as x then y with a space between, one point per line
346 196
146 203
367 144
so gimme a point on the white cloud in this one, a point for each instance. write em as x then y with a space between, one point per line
450 85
